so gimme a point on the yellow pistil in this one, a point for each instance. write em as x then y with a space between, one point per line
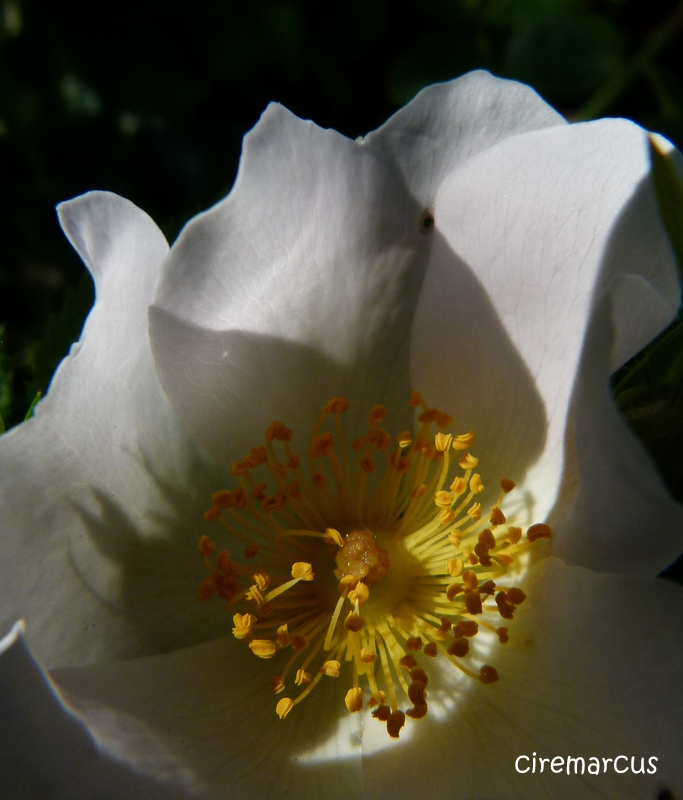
371 563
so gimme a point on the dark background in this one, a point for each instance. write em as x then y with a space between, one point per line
150 99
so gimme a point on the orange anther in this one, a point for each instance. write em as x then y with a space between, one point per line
487 538
222 499
206 546
395 722
459 648
284 707
263 648
354 699
473 603
277 684
206 589
354 622
497 516
463 441
331 668
430 649
278 431
408 661
488 674
515 596
302 570
337 405
414 643
212 513
415 400
376 416
513 535
299 641
468 461
538 531
507 485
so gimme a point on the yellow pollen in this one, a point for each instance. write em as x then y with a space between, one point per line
284 706
244 625
263 648
388 525
463 441
354 699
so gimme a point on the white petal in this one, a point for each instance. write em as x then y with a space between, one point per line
47 751
449 123
529 238
211 707
101 492
294 289
301 284
592 668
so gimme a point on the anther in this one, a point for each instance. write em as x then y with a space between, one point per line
263 648
395 722
538 531
284 706
354 622
331 668
354 699
497 517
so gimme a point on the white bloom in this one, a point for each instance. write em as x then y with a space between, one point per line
319 276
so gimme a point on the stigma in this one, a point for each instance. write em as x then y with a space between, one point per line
365 562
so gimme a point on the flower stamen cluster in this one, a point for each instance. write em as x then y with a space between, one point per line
376 555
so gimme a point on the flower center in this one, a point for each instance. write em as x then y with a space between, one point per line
369 565
362 558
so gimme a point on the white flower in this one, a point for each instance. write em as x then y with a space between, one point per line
322 275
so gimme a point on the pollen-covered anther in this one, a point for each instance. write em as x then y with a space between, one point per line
538 531
334 536
417 693
337 405
299 641
488 674
442 441
331 668
459 486
263 648
359 594
277 684
284 706
251 551
377 699
474 512
487 538
282 636
414 643
466 627
404 439
321 445
278 431
382 713
455 537
262 579
254 595
463 441
302 570
354 622
302 677
418 491
430 649
244 625
377 415
507 485
473 603
354 699
513 534
408 661
367 656
497 517
502 635
458 648
443 499
468 461
395 722
515 596
206 546
476 486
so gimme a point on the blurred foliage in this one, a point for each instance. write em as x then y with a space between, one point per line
150 99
